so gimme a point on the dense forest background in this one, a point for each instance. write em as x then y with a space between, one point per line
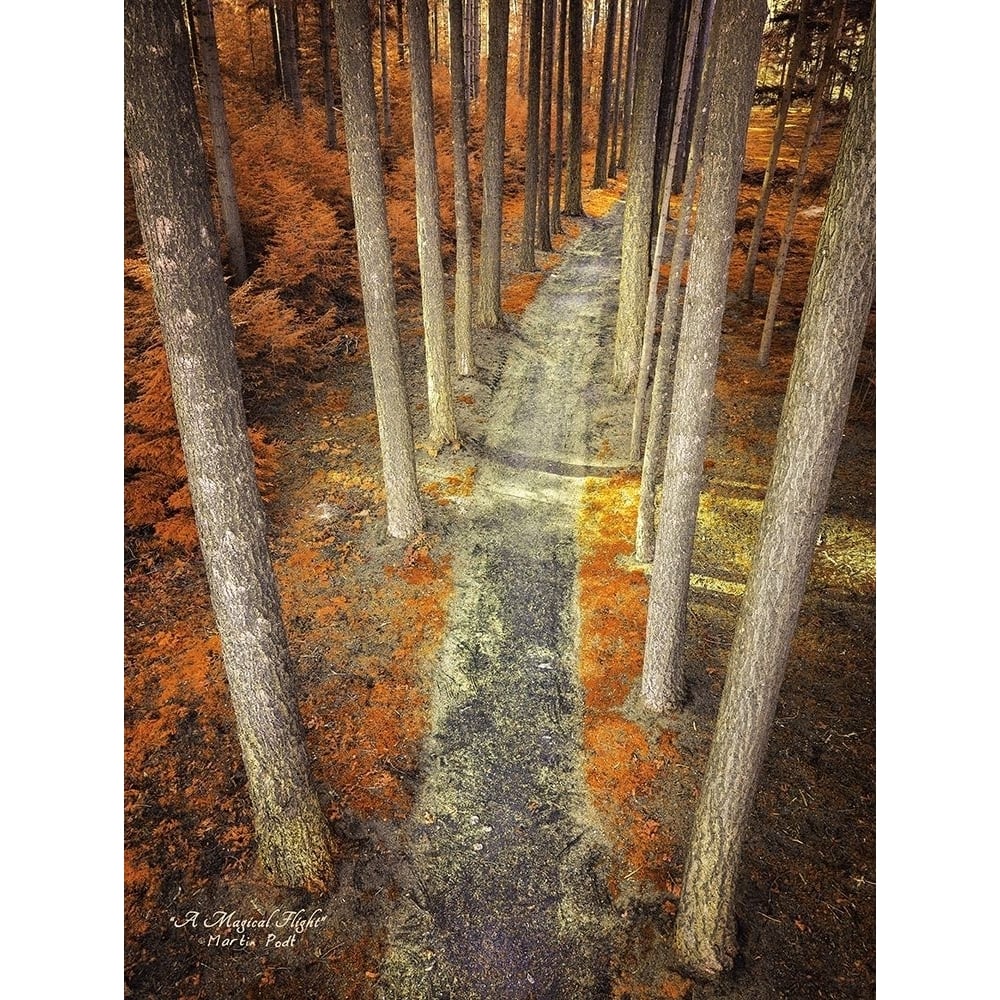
82 618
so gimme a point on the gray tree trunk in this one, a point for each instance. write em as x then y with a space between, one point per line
464 363
221 146
659 407
289 40
604 111
400 46
809 435
616 100
555 216
383 31
634 25
526 258
812 134
638 198
440 398
574 157
175 215
488 312
378 289
545 128
746 289
741 26
642 382
325 30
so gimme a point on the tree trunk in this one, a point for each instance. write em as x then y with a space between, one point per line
604 113
545 129
290 55
741 26
526 258
175 216
684 148
812 134
659 407
522 56
635 23
638 199
488 314
191 32
616 100
325 29
746 289
574 165
378 289
400 46
809 435
383 31
555 216
694 24
440 398
464 364
279 78
221 147
472 48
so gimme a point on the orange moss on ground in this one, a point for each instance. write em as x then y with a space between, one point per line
621 762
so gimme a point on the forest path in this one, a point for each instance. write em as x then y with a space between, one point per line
506 890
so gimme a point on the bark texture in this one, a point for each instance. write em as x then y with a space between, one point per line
574 157
208 49
604 110
544 223
488 313
639 198
325 32
464 364
378 289
526 258
741 27
174 209
440 398
289 41
809 435
555 216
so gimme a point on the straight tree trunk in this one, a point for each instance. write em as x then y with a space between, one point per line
290 55
638 199
383 31
191 31
809 435
812 134
556 213
440 398
684 149
221 146
604 112
526 258
279 77
378 289
488 314
545 128
635 444
634 25
464 364
616 101
175 215
472 48
659 407
746 289
325 29
574 165
522 56
400 47
741 26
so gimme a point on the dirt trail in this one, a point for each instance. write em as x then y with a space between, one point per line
507 894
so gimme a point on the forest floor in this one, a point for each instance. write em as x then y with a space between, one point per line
509 821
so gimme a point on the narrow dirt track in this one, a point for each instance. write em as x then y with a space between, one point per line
507 894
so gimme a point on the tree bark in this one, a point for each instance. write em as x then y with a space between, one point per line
574 165
400 46
325 29
809 435
635 23
642 382
544 226
175 216
290 55
464 363
812 134
221 146
272 15
488 313
616 100
636 223
440 398
659 407
746 289
383 31
555 216
526 258
604 112
741 25
378 289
